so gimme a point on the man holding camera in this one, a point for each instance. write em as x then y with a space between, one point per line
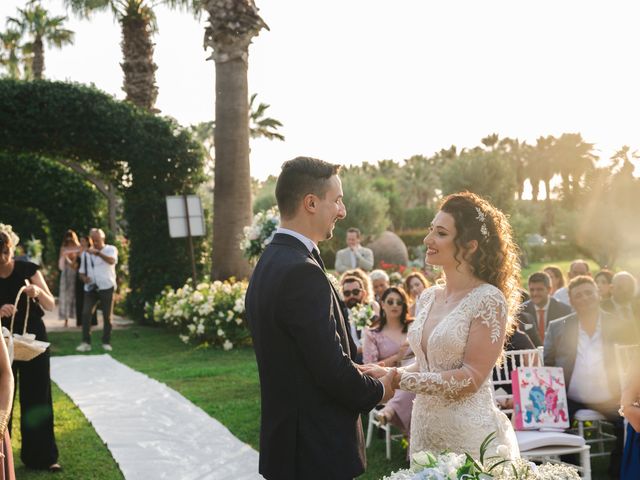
98 272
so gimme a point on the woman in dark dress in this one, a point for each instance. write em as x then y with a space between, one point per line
39 448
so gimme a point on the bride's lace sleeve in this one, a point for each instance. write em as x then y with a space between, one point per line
484 346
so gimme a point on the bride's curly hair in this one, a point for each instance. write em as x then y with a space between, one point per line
496 260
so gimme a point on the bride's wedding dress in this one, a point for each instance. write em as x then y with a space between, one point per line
454 409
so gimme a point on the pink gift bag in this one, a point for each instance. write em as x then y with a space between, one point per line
539 398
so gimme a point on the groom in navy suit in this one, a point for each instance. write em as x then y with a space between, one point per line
312 393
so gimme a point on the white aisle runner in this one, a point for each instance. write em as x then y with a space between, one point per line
152 431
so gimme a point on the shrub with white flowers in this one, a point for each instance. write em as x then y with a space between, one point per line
260 233
208 313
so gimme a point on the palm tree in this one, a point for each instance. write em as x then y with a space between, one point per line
517 156
138 23
575 158
232 24
10 49
490 141
259 127
36 22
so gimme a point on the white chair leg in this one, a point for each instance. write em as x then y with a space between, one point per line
387 432
585 463
369 429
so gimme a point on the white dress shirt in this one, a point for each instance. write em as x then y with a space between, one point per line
589 382
101 273
562 295
306 240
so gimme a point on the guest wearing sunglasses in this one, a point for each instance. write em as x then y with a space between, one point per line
387 344
356 292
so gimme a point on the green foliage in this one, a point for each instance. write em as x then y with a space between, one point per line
50 200
367 209
418 217
265 197
147 156
486 173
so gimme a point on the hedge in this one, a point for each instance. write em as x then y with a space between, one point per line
147 156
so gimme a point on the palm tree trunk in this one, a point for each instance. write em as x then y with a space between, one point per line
138 65
232 191
232 26
38 58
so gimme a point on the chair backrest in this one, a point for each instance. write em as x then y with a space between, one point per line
627 356
502 373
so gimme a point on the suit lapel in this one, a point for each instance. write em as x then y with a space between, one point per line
336 310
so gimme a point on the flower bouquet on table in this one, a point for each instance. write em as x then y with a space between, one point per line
361 315
454 466
260 233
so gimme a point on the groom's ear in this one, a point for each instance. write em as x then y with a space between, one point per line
309 202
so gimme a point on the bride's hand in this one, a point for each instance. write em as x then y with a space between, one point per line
373 370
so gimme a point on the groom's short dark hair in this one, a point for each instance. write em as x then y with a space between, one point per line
299 177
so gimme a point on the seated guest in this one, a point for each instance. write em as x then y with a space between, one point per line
387 343
603 279
630 409
557 277
623 302
380 281
542 307
577 267
414 285
583 345
355 255
355 292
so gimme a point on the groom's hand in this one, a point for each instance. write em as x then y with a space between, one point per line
388 381
374 370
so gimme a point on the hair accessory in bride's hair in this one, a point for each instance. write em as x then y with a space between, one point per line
481 218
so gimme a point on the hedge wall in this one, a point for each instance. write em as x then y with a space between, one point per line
148 156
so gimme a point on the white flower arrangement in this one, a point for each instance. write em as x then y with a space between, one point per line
361 315
209 313
260 233
453 466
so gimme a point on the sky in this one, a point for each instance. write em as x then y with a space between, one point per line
366 80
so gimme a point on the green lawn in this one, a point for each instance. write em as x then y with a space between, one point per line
224 384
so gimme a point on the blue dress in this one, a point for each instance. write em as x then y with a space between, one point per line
631 459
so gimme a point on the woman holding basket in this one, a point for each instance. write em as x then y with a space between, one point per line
39 450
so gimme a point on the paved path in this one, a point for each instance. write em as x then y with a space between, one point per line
152 431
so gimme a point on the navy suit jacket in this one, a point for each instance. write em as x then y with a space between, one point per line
312 394
556 310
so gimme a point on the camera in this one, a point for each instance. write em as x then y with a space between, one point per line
92 288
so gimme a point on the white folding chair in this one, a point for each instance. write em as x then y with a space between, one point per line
375 423
536 445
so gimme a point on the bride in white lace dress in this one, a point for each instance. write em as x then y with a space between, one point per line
459 331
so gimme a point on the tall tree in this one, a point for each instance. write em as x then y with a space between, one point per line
574 158
232 24
137 20
35 22
10 52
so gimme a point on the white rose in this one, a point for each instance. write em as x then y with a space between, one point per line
200 329
220 332
421 458
502 451
184 338
227 345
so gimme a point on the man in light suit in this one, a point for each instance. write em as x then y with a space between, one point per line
311 391
355 255
541 307
582 343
